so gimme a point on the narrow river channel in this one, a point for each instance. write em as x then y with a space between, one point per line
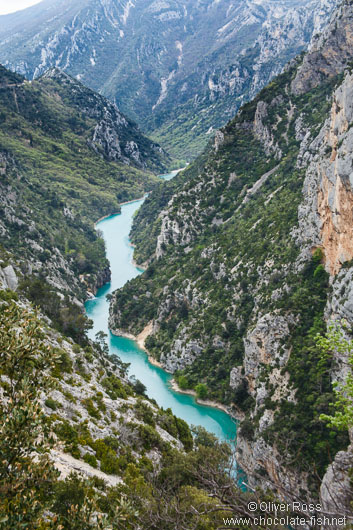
116 229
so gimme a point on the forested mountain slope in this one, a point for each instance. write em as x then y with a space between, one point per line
67 157
181 69
250 254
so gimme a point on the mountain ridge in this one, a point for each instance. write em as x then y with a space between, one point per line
61 169
170 79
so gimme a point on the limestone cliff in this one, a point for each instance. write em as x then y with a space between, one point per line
326 212
113 136
329 53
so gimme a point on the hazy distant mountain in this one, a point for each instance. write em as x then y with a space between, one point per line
180 68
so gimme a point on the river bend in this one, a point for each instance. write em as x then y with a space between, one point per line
116 229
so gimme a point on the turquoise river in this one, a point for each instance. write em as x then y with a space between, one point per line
116 229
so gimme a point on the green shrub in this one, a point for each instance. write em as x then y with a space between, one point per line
66 432
65 362
98 398
90 459
319 272
149 437
318 255
182 382
201 391
114 387
110 463
167 422
7 295
69 492
145 413
107 455
52 404
185 435
91 409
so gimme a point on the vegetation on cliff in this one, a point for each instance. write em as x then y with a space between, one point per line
67 158
181 69
146 469
235 297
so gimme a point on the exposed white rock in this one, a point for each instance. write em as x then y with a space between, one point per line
263 133
67 464
263 346
8 278
336 492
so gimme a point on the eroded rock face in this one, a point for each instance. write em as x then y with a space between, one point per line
182 354
263 133
340 303
326 213
265 355
335 200
264 467
155 57
264 346
115 137
330 54
236 377
8 278
336 492
96 282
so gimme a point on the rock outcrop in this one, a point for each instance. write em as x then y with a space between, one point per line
330 53
115 137
325 214
336 492
8 278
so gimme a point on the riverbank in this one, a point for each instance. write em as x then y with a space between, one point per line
205 402
105 217
118 213
150 372
133 200
142 267
140 340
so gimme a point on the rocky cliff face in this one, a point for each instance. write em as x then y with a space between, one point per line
336 492
252 258
326 211
329 52
114 136
180 69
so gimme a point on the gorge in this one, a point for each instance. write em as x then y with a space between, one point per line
115 231
234 274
